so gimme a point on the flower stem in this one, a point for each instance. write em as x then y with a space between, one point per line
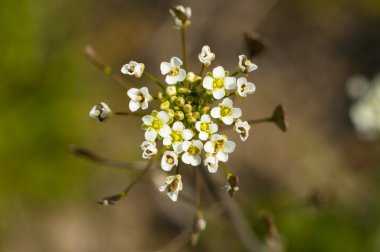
268 119
202 69
183 39
177 170
130 114
235 73
226 170
149 76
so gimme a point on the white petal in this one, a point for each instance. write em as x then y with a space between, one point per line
196 160
236 112
133 92
182 75
215 112
186 158
167 141
177 147
150 134
165 131
227 102
148 119
241 81
163 116
222 156
213 128
209 147
229 146
219 93
230 83
203 135
164 165
144 91
173 195
144 105
228 120
206 118
207 82
178 126
187 134
198 144
186 145
134 105
218 72
175 62
165 68
163 187
171 80
198 125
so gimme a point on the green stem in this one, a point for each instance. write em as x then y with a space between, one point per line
151 77
226 170
177 170
202 69
235 73
268 119
183 38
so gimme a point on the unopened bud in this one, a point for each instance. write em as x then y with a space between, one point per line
205 110
171 90
189 99
160 96
197 115
171 112
191 118
184 90
192 77
100 112
180 101
187 108
179 115
165 105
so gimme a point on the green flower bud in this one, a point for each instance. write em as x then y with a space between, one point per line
161 96
187 108
172 98
190 99
171 90
165 105
197 115
205 110
191 118
184 90
180 101
179 115
171 112
176 108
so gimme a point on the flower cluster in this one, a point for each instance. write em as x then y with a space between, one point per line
193 109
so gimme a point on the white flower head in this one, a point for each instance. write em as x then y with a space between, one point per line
181 16
242 128
139 98
219 82
156 124
149 149
177 136
211 162
206 56
245 65
192 151
206 127
220 146
100 111
172 186
226 112
173 71
244 87
133 68
169 160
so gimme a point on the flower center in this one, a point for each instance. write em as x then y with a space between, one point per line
169 160
175 71
140 98
131 69
225 111
219 145
218 83
157 124
243 132
193 150
205 127
173 185
176 136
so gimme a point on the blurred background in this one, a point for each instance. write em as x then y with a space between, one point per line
319 182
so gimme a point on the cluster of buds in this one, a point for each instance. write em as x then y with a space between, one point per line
193 108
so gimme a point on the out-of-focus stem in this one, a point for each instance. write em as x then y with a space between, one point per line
261 120
151 77
202 69
93 57
183 39
130 114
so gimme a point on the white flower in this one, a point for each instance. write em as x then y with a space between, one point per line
242 128
245 65
133 68
206 127
139 98
244 87
177 136
192 152
226 112
211 162
149 149
100 111
220 146
181 16
173 71
219 83
206 56
172 186
156 123
169 160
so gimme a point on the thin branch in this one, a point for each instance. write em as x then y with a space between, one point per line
129 114
152 78
233 215
89 155
183 40
93 57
